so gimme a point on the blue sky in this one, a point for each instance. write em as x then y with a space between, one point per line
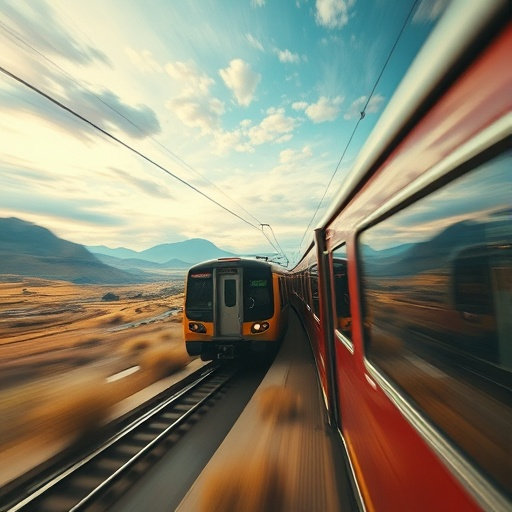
252 102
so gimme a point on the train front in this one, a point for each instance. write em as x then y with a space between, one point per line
232 307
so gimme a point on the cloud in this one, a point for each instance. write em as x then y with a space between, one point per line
272 127
36 23
333 13
354 111
257 3
291 156
429 10
299 105
254 42
240 78
104 109
137 121
284 138
143 61
145 185
287 56
275 128
194 106
225 141
200 112
325 109
25 205
194 81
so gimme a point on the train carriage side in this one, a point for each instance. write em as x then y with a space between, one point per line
234 306
414 273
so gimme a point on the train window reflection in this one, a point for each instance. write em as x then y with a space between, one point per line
258 294
313 280
343 315
437 282
199 301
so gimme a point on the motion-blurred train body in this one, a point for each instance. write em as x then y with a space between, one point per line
406 289
233 306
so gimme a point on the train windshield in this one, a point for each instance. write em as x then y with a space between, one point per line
199 302
258 295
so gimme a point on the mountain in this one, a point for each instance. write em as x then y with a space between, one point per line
119 252
434 253
190 251
30 250
172 270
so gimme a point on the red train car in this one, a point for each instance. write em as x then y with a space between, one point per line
406 290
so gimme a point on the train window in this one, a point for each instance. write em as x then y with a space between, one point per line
437 280
305 283
258 294
283 292
313 281
199 302
343 315
230 293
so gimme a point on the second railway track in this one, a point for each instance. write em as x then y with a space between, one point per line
99 478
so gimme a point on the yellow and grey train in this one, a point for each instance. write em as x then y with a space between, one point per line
234 306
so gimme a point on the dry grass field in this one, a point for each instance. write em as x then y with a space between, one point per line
67 356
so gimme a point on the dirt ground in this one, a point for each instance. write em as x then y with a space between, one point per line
67 356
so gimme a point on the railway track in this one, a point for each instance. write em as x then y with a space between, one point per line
98 479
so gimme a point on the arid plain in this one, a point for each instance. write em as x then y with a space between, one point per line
69 353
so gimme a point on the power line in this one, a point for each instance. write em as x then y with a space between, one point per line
362 116
332 177
275 238
16 35
127 146
124 144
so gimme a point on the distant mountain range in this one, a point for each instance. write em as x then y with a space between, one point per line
442 250
30 250
188 252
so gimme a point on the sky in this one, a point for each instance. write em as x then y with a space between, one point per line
131 124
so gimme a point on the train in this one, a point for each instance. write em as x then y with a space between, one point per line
405 288
234 307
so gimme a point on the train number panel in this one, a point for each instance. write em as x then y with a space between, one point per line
233 306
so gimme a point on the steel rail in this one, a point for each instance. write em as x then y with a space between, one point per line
41 493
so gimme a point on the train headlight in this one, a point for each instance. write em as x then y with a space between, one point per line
258 327
196 327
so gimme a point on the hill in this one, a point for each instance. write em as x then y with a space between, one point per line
30 250
189 252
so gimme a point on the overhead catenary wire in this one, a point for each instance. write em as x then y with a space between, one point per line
275 238
127 146
13 34
361 117
176 157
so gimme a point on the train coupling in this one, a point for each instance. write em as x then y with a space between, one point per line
226 352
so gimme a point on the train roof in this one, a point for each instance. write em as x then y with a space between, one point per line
453 38
238 262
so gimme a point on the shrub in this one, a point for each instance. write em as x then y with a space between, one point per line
279 404
110 297
252 486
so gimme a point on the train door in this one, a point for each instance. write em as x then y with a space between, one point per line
229 303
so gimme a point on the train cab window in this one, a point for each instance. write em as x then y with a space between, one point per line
339 269
199 302
313 281
437 306
258 294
